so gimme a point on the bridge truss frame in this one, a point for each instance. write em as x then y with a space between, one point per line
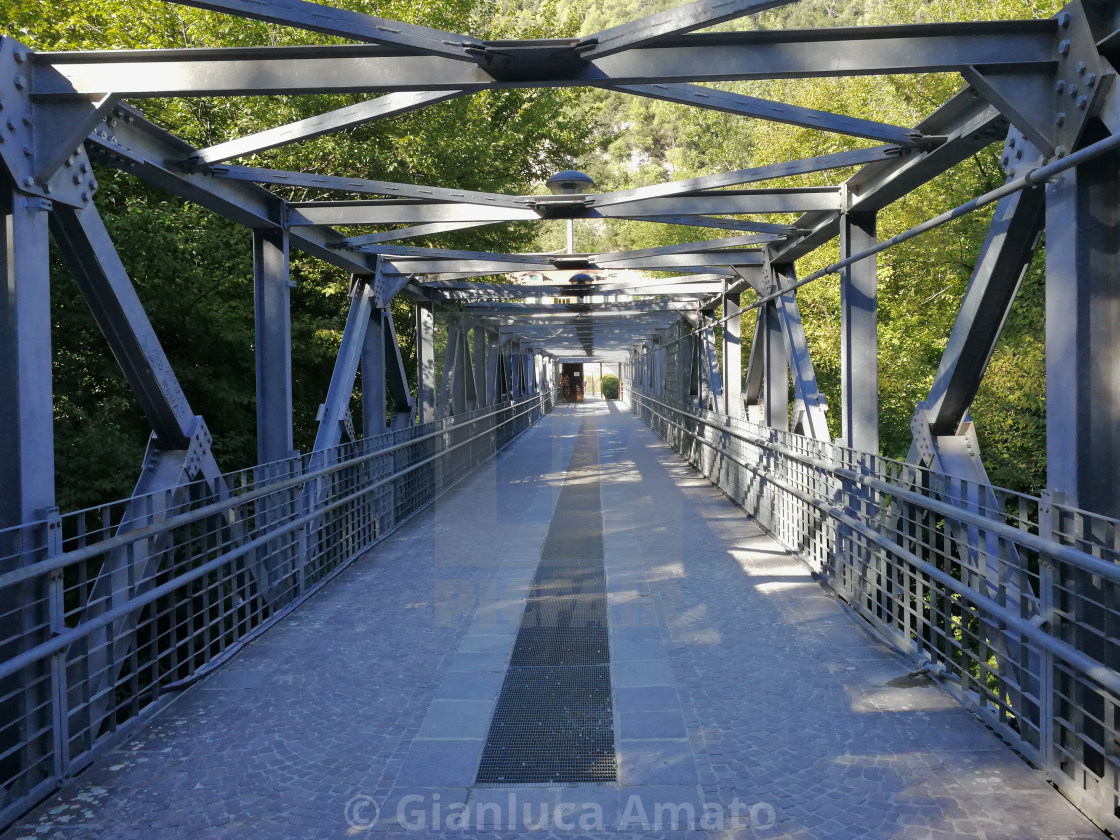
1046 89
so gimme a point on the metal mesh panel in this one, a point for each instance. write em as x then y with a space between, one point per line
561 646
551 725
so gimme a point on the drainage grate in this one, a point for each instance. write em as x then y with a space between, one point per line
551 725
554 722
558 612
547 646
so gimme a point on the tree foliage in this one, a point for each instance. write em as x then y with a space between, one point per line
193 269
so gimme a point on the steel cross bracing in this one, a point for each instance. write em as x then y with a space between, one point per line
670 317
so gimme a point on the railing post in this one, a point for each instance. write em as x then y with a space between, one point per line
60 707
1048 516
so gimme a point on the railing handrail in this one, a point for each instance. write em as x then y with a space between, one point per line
1092 668
1059 551
87 552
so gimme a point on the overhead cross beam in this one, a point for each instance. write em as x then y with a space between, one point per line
389 105
821 163
410 211
888 50
751 106
337 183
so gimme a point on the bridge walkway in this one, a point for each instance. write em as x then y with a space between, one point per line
742 694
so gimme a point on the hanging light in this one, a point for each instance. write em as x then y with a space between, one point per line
569 182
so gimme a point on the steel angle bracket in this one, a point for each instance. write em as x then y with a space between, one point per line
41 142
386 284
1083 77
1024 98
1052 108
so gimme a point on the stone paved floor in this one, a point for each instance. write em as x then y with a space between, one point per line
742 692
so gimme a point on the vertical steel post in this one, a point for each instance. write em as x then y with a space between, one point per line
480 357
859 360
26 411
273 339
775 389
425 363
27 496
1083 335
374 375
732 357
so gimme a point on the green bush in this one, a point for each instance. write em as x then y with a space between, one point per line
610 387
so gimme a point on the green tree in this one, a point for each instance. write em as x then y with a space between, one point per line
610 387
192 269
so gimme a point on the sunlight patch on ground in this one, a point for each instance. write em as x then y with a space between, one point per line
666 571
781 585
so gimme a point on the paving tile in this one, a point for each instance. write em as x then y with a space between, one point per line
457 719
441 763
651 725
641 672
646 699
464 685
653 762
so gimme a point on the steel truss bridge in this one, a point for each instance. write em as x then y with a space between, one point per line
1011 599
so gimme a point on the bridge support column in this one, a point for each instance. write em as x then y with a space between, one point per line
26 411
457 391
1083 336
480 355
334 414
273 333
732 357
425 364
27 482
374 370
775 369
809 406
711 383
859 336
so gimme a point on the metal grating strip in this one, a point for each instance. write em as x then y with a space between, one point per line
554 721
551 725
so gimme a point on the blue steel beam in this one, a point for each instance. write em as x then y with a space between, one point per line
751 106
334 414
273 345
889 50
670 23
350 116
859 344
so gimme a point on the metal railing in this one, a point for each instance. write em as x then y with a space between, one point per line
1009 600
105 613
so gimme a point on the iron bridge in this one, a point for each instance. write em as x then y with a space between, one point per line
1008 600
